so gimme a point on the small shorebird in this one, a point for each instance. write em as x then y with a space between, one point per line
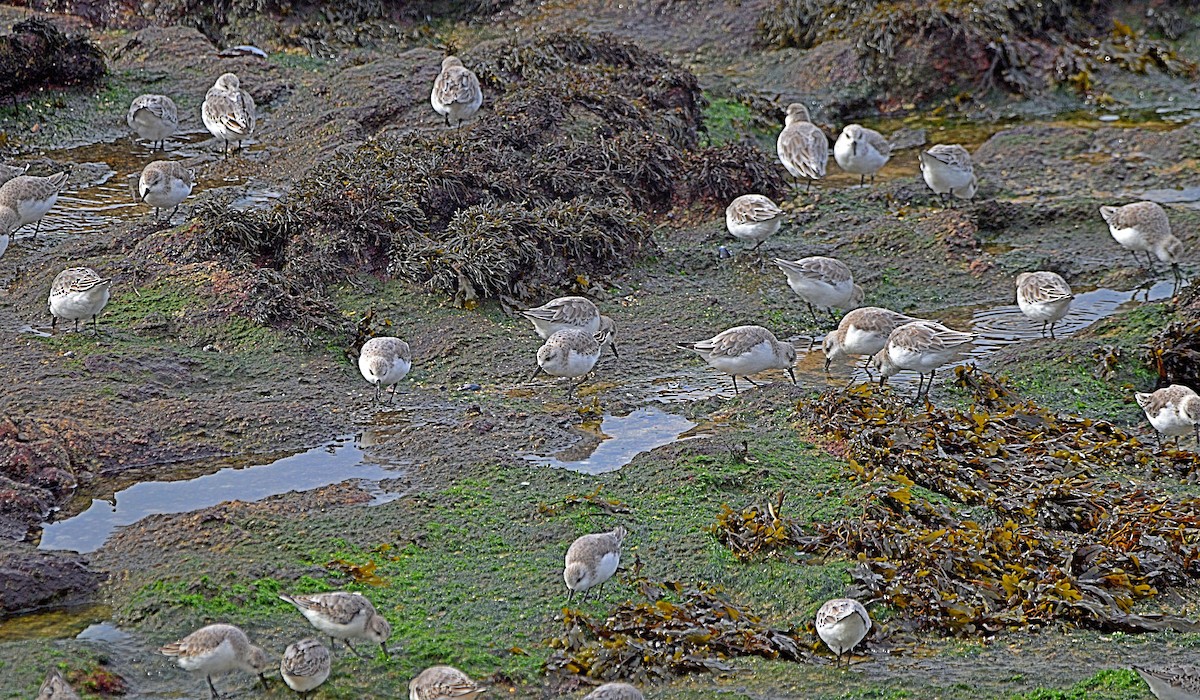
164 184
218 649
31 197
862 331
305 665
456 94
802 147
8 172
1173 411
842 623
1043 296
753 218
744 350
384 362
861 151
570 313
343 616
947 169
153 118
570 353
55 687
592 560
78 293
229 112
615 691
921 346
1173 682
822 282
1144 226
443 683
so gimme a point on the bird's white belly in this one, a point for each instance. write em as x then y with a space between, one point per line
942 179
1129 238
1168 421
398 371
79 305
31 210
606 568
348 631
151 127
759 358
918 360
168 197
843 635
4 239
860 342
218 660
755 231
866 162
1044 311
821 294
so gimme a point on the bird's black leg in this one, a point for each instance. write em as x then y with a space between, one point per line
212 688
735 386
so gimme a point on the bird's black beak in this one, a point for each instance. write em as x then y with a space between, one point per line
383 647
612 345
792 373
854 148
827 361
536 372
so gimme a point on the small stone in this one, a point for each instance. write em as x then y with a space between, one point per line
470 387
69 353
211 348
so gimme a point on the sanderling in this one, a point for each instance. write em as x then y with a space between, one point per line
456 94
744 350
78 293
55 687
753 218
615 691
592 560
921 346
1043 296
1144 226
343 616
822 282
228 112
570 313
862 332
164 184
443 683
305 665
218 649
947 170
153 118
802 147
1173 682
31 197
570 353
8 172
861 151
841 624
384 362
1173 411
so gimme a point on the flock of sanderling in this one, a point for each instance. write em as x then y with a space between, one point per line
575 333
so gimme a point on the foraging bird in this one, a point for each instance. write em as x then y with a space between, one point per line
861 151
1043 296
753 218
305 665
592 560
229 112
55 687
822 283
456 94
615 691
570 313
153 118
921 346
165 184
31 197
802 147
744 350
947 169
1144 226
842 623
78 293
1173 682
862 331
1173 411
571 353
218 649
384 362
344 616
443 683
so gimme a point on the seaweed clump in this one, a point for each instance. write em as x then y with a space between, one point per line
588 137
935 50
993 516
36 55
659 638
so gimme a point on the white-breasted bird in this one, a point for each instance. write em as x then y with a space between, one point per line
78 294
861 151
456 93
842 623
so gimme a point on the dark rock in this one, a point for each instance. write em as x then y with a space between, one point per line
38 55
31 579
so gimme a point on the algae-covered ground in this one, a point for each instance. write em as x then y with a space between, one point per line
230 337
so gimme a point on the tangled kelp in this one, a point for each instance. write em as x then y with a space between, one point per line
553 187
37 55
659 638
941 49
997 515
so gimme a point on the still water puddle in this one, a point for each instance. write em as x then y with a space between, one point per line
61 623
339 461
616 440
